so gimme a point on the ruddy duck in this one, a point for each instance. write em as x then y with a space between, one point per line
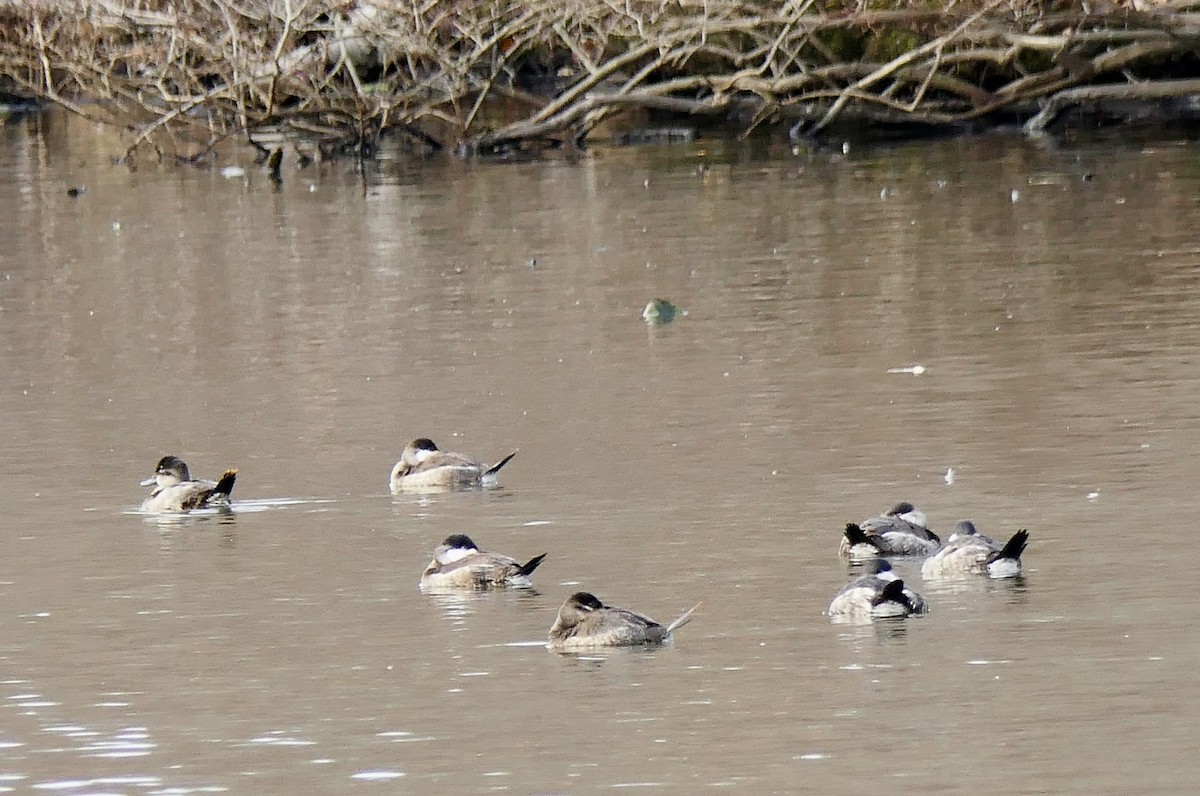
423 466
900 532
175 490
971 553
583 621
877 594
458 564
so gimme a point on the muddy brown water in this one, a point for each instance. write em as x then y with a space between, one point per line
1050 292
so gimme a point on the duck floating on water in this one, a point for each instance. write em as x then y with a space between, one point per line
424 466
459 564
174 489
584 622
968 552
879 593
903 531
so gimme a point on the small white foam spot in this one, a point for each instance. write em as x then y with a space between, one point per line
377 776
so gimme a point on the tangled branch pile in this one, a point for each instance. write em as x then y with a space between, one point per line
481 76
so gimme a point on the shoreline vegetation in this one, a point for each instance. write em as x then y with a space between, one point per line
493 78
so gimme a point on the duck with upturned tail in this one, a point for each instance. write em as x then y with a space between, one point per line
424 466
968 552
175 491
903 531
879 593
584 622
459 564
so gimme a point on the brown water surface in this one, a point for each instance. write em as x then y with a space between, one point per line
304 334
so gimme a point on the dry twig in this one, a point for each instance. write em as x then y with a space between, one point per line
348 71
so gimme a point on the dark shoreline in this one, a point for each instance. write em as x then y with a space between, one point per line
510 79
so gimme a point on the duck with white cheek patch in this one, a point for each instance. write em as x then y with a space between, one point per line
175 491
968 552
878 593
459 564
903 531
424 466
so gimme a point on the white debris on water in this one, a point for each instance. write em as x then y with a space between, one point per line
279 738
377 776
949 476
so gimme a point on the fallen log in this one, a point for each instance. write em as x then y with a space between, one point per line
1126 92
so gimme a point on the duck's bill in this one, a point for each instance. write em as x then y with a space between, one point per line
152 479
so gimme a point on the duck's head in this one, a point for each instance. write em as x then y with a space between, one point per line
455 547
881 569
576 607
169 471
909 513
418 451
964 528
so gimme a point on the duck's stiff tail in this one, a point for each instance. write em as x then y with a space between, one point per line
1014 547
225 485
855 535
529 566
683 619
495 468
893 592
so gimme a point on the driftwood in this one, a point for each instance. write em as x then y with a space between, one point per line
483 77
1127 92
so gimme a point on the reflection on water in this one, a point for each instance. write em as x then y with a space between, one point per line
224 516
878 631
307 334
